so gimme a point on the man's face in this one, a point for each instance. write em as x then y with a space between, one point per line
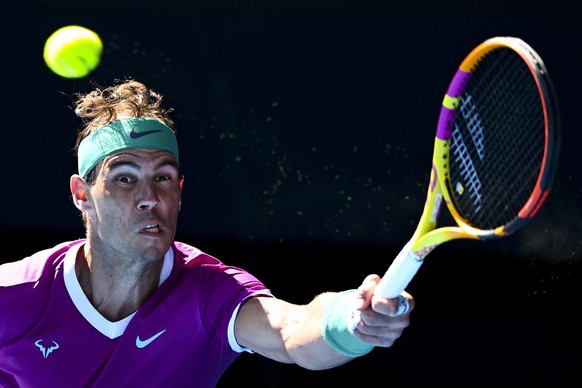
136 200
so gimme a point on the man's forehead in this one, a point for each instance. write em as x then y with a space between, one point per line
142 155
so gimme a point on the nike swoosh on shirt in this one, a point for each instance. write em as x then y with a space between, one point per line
142 344
136 135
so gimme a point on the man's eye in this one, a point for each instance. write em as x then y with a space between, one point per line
124 179
163 178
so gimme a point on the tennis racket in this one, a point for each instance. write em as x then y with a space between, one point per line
495 155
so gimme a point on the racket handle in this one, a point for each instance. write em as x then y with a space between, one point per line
395 280
399 274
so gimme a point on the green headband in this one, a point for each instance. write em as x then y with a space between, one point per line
122 135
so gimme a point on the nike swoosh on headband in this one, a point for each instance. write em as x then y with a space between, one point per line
124 134
136 135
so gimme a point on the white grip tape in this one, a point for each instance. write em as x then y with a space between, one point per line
399 274
397 277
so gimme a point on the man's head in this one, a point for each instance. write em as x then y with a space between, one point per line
129 186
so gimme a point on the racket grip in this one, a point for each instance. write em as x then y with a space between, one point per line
394 281
400 273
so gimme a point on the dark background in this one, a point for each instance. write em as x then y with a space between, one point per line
306 134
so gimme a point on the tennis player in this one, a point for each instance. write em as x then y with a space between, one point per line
129 306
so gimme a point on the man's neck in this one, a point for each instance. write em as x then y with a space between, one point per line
116 291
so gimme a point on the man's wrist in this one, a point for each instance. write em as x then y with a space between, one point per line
335 329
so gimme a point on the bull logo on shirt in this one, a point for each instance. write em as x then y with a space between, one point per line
46 351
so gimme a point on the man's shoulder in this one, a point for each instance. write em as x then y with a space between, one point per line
32 268
187 253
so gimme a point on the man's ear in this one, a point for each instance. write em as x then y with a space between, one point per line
79 190
181 188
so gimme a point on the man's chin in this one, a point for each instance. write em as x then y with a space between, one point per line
153 248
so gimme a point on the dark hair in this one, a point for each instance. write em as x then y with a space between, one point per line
124 99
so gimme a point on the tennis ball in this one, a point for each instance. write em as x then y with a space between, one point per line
73 51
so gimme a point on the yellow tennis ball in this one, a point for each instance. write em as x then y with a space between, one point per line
73 51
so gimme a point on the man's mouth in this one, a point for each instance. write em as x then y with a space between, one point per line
153 228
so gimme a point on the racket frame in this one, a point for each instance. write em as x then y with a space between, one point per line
426 236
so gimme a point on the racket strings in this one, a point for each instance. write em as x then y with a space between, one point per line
497 145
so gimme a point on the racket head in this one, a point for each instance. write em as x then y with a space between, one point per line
498 138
